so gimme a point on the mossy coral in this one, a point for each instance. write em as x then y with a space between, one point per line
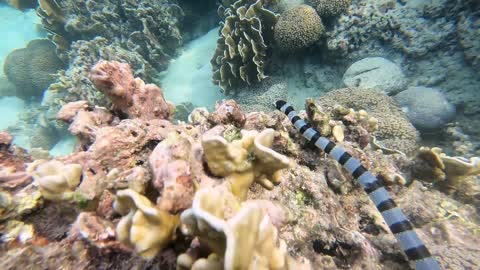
56 181
298 28
143 226
330 8
245 161
245 35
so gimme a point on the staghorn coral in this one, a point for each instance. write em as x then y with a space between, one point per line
298 28
245 161
394 129
32 69
56 181
143 226
330 8
131 96
241 236
246 33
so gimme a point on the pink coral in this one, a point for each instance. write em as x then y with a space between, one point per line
228 112
131 96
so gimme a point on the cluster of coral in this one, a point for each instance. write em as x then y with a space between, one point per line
227 190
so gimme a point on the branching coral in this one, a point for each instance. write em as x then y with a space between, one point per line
143 226
245 161
241 236
57 181
246 33
130 95
298 28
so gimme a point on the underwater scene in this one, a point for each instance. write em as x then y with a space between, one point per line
240 134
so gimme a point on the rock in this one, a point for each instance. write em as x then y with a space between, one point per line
377 73
427 108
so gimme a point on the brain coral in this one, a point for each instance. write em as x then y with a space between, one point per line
394 129
298 28
240 56
330 8
31 69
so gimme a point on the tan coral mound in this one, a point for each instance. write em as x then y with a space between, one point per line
330 8
245 161
246 32
57 181
394 129
241 236
298 28
143 226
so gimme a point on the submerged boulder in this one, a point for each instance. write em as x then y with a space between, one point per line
427 108
376 73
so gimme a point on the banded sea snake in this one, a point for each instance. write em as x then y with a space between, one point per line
398 223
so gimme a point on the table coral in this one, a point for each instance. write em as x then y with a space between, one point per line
143 226
130 95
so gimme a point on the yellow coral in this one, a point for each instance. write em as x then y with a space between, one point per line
245 161
243 237
144 227
56 181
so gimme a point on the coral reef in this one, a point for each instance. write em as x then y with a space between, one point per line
149 28
427 108
394 129
246 32
298 28
31 69
330 8
129 95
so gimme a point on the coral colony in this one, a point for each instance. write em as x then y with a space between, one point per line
141 134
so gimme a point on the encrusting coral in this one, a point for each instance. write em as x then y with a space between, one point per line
130 95
246 33
143 226
298 28
56 181
245 161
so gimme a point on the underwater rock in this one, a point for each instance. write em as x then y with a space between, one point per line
227 112
31 69
427 108
375 73
298 28
468 39
247 31
131 96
